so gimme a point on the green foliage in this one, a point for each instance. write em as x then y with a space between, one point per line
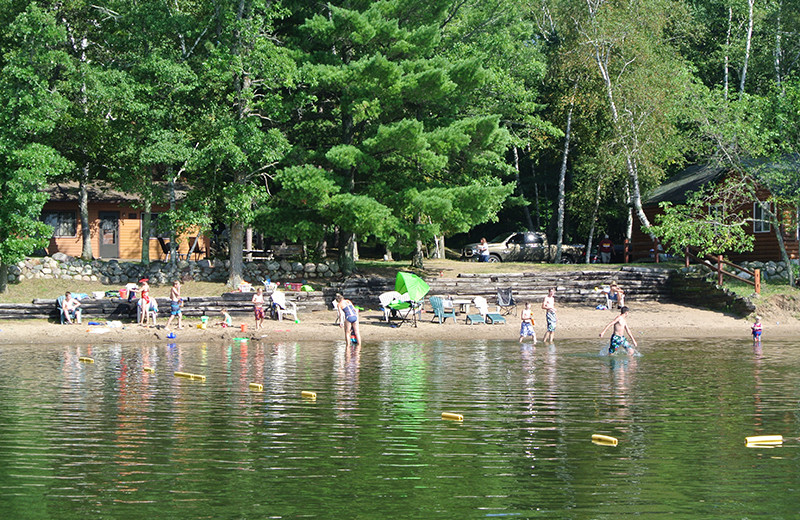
712 220
30 106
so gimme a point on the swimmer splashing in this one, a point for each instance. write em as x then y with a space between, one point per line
618 338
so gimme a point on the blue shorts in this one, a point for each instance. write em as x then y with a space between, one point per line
551 321
617 342
175 308
526 330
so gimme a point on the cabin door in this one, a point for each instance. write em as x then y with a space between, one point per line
109 234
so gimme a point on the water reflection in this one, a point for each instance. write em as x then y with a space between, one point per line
113 439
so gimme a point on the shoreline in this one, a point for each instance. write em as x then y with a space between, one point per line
576 322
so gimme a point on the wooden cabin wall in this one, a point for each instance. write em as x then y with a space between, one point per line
765 247
130 241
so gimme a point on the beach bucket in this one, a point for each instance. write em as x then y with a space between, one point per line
243 327
201 326
204 319
123 293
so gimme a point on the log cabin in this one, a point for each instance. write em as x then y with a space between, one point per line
115 221
677 189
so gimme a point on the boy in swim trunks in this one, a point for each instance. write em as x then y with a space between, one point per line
618 333
526 329
175 304
549 305
756 328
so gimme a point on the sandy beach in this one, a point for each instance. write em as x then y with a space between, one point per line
649 320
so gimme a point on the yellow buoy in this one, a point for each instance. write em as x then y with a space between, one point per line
452 416
604 440
256 386
86 359
764 439
308 395
149 369
193 377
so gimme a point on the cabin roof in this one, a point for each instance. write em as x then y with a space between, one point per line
677 188
99 191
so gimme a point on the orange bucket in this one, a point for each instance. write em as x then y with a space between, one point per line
244 327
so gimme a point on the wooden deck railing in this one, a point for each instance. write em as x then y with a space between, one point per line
710 260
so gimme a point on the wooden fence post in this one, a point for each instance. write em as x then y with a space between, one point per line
719 270
686 257
757 280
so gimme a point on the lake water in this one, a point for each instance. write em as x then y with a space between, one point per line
109 440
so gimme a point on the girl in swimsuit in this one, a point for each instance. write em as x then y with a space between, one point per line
348 318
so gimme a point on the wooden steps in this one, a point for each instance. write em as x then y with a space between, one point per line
641 284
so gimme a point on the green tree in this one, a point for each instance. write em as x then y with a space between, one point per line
30 106
384 116
242 79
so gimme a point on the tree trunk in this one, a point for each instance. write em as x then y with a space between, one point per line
594 219
83 205
561 183
747 44
536 206
630 160
146 227
388 255
173 239
728 52
778 51
525 210
347 264
236 259
248 244
3 277
440 248
417 257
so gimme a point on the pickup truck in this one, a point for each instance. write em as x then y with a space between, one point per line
525 246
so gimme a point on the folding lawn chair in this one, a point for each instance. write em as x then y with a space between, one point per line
506 301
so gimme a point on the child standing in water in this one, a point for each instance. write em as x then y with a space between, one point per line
618 338
526 329
756 328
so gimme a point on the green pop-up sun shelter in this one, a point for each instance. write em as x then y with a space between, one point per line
416 289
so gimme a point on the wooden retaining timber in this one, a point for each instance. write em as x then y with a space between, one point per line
640 284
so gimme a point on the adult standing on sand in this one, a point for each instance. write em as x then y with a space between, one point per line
549 305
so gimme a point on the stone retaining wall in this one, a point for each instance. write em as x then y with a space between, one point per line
770 271
113 272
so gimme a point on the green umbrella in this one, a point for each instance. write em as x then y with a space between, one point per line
411 284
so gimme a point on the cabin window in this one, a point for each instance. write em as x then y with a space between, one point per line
156 231
64 223
760 219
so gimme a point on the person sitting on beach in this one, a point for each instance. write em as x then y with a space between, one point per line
258 307
226 319
756 329
348 318
175 304
616 295
618 338
526 329
70 308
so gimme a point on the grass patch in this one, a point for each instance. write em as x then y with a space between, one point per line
768 289
29 290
